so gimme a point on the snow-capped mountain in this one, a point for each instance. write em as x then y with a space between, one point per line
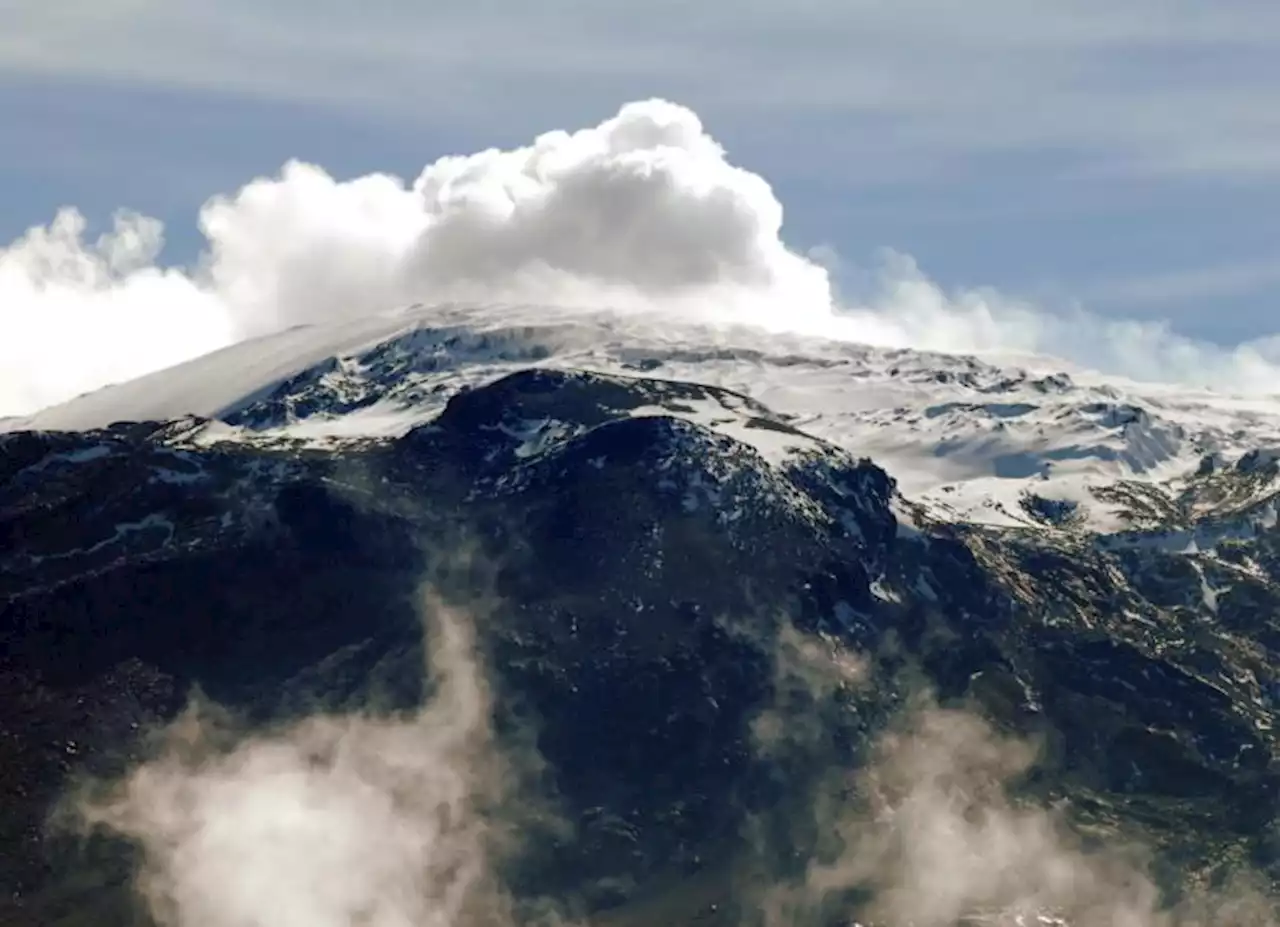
979 441
659 507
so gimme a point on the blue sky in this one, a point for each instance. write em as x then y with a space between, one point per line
1123 155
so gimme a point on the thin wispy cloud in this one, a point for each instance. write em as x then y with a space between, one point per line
1178 87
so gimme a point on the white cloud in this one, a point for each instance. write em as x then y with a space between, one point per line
336 820
642 205
933 829
75 314
643 211
933 825
904 308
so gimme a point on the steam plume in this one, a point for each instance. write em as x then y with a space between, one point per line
643 211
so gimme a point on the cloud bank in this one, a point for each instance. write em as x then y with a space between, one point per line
644 210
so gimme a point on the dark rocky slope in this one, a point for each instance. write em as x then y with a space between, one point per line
643 570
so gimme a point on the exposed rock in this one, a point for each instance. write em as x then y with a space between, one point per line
644 564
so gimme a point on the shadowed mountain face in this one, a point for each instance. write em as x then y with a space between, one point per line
637 581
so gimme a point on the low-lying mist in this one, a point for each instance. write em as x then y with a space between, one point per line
357 820
334 821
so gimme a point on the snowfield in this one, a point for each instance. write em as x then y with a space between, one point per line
971 438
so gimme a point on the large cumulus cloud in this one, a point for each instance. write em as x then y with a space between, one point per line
643 212
642 207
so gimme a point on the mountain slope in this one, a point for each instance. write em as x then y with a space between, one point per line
648 546
969 437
